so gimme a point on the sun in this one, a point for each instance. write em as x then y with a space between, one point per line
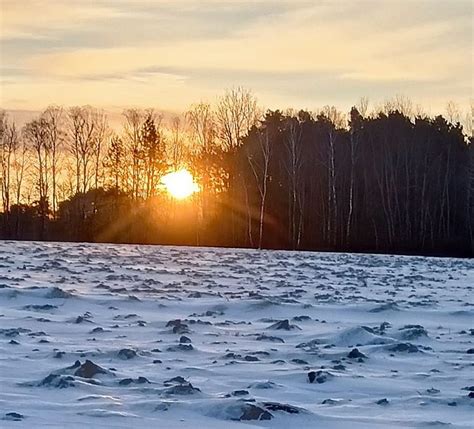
180 184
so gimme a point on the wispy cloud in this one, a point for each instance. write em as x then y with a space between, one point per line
109 50
41 19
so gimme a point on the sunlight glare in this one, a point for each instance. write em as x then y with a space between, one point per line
180 184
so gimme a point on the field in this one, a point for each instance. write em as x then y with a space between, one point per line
122 336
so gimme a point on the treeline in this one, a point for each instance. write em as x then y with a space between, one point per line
393 180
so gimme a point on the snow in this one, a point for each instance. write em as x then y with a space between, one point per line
114 305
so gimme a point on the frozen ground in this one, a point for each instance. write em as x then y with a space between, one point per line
89 337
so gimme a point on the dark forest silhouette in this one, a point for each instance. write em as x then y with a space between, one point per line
391 181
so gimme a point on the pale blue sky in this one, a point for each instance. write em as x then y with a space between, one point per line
168 54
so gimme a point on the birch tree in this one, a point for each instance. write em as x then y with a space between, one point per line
236 113
259 163
293 165
355 128
336 121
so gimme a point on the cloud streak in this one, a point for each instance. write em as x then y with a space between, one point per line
184 50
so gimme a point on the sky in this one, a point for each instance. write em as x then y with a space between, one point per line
169 54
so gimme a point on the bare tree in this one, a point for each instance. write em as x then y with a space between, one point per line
82 127
293 165
36 133
453 113
399 103
470 193
176 143
53 117
8 148
336 121
363 106
153 152
236 113
355 125
468 124
20 166
260 163
133 125
114 161
468 127
202 125
21 163
99 137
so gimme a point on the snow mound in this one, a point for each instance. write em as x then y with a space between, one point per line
358 336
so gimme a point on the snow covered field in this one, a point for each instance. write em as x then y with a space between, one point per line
164 337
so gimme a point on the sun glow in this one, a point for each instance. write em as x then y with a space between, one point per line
180 184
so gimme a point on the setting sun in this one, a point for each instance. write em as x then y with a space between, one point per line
180 184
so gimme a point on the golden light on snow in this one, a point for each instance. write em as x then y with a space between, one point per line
180 184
